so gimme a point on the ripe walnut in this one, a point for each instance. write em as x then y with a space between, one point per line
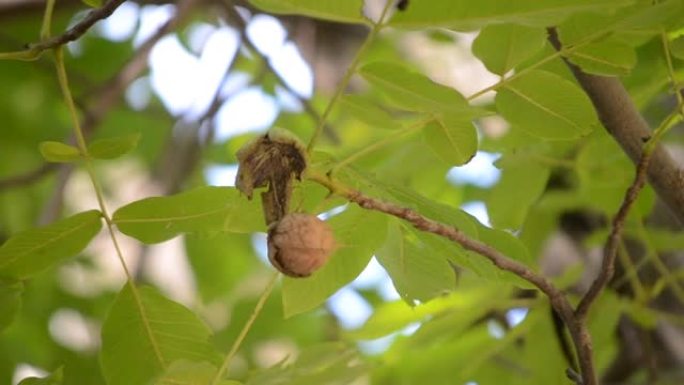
300 244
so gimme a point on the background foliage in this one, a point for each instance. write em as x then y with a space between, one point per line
384 122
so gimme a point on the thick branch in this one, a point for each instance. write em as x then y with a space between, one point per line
623 121
578 331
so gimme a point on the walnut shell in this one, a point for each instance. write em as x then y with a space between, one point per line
300 244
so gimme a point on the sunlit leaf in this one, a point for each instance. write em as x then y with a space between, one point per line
59 152
329 363
547 106
522 183
363 109
453 138
185 372
417 271
157 219
113 147
348 11
414 91
393 316
56 378
145 332
35 250
469 15
10 301
358 233
501 47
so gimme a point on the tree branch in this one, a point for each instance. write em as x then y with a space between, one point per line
578 330
622 120
235 18
36 49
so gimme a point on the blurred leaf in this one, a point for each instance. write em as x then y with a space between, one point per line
677 47
219 261
56 378
665 240
348 11
10 301
393 316
34 250
111 148
59 152
602 325
469 15
363 109
522 183
93 3
209 208
642 315
453 138
330 363
414 91
417 271
501 47
358 233
547 106
185 372
145 332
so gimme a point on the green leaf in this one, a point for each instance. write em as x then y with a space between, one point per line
522 183
417 271
363 109
407 197
547 106
93 3
347 11
470 15
10 301
414 91
185 372
34 250
501 47
677 47
144 333
605 58
56 378
111 148
219 261
208 208
328 363
511 247
358 233
453 138
59 152
393 316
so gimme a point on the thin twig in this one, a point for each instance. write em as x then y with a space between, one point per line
342 86
611 248
36 49
578 330
223 370
240 23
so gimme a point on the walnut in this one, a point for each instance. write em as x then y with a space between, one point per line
300 244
